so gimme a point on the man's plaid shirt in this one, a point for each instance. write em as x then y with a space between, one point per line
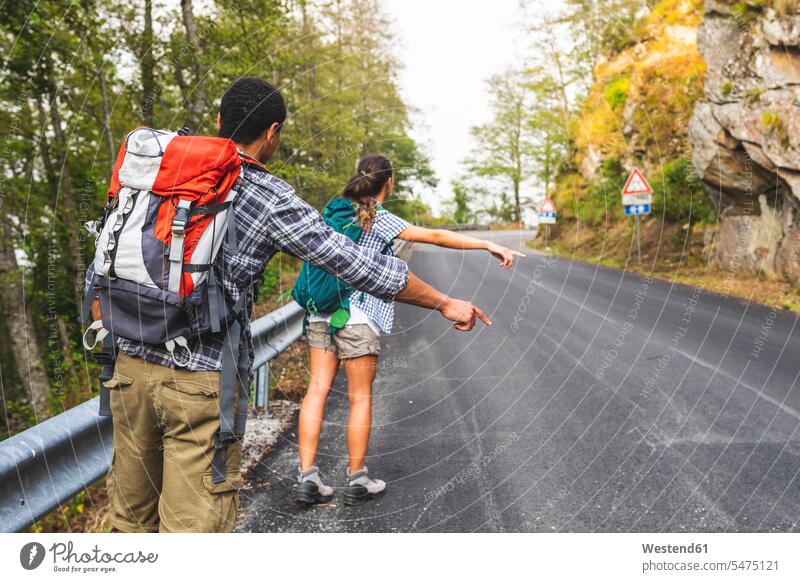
270 217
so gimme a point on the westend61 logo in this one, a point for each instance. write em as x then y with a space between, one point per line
66 559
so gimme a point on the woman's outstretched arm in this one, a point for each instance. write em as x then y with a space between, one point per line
456 240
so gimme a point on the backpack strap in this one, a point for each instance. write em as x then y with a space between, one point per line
213 301
250 161
106 358
232 246
86 308
210 208
179 222
196 267
230 237
232 420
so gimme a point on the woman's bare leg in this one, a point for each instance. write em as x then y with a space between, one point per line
324 366
360 374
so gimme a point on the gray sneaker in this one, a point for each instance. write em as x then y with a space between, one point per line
361 488
311 489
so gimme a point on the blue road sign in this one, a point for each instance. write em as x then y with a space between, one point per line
636 209
547 218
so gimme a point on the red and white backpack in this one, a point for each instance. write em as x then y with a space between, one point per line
169 211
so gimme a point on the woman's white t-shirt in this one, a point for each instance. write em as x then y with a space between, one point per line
356 316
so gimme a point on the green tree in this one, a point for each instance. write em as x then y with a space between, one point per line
460 203
550 137
503 148
54 118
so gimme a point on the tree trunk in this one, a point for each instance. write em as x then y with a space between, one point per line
58 176
562 86
87 62
197 102
107 115
518 161
22 338
147 64
312 83
67 367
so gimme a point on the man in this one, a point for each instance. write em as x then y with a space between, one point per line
166 418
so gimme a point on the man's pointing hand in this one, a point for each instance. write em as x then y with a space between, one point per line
463 313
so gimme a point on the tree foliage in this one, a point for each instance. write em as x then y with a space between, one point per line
76 76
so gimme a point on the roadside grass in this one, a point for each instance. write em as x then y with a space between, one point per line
664 258
87 512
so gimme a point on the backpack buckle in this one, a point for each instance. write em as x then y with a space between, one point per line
179 222
181 218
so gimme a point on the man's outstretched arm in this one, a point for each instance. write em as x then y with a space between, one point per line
463 313
296 228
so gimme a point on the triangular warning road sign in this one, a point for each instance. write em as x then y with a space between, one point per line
547 206
636 184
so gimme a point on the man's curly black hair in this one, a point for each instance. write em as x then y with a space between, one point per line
248 107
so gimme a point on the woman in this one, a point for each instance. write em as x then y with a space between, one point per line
357 345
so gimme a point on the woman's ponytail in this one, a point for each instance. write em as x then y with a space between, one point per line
371 176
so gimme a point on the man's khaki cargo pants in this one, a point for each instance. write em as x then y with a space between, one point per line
164 426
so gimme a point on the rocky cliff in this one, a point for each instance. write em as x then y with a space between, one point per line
635 114
745 134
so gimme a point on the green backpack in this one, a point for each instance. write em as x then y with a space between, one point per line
318 291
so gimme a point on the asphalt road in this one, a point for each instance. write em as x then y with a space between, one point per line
598 401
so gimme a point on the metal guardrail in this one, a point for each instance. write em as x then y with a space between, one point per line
460 227
46 465
272 334
455 227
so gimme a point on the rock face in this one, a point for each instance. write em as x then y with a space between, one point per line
745 134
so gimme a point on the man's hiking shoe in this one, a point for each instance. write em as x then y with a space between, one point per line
311 489
361 488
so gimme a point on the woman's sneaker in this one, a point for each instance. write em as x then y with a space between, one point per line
361 488
311 489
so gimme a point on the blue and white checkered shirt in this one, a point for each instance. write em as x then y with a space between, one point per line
271 218
385 228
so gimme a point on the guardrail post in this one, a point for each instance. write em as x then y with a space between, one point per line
261 400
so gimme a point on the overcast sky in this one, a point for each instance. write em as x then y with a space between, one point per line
448 49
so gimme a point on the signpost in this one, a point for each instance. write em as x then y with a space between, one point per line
637 197
547 216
